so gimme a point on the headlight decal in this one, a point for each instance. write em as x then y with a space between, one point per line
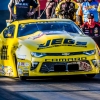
90 52
38 54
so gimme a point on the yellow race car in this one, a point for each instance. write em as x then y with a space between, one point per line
54 47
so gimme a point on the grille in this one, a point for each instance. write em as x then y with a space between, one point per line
60 67
62 54
73 67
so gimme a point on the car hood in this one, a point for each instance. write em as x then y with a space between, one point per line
57 41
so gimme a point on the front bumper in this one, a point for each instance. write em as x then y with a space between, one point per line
55 66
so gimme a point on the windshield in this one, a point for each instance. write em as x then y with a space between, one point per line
31 28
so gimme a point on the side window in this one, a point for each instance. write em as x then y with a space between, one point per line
9 32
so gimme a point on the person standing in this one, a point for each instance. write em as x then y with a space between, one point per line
92 29
79 13
20 9
50 6
65 9
37 13
93 9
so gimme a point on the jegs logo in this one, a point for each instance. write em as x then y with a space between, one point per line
62 42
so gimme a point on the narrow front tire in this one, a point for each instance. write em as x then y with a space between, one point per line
22 78
90 75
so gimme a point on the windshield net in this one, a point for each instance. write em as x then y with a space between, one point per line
31 28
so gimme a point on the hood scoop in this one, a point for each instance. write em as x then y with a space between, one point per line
63 32
52 33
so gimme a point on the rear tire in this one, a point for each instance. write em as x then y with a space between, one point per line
90 75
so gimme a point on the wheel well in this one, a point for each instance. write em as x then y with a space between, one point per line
15 62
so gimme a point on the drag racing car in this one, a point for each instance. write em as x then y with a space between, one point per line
42 47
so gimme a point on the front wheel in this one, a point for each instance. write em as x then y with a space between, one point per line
90 75
22 78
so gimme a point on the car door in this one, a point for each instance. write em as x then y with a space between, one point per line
7 50
8 39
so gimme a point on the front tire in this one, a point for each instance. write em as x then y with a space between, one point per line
22 78
90 75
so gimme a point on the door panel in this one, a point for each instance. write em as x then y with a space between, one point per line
7 51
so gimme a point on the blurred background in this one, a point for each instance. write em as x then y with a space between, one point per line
4 13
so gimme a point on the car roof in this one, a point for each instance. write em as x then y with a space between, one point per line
41 20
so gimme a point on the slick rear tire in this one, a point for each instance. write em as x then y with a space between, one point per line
22 78
90 75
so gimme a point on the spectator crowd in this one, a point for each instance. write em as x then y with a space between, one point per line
85 13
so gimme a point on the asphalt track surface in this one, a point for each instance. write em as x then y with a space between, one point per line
64 88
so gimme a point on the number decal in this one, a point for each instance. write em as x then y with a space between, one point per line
4 55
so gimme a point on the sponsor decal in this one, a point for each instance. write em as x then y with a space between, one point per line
21 56
7 70
25 71
65 54
27 64
54 32
66 59
62 42
35 37
20 71
18 64
26 68
2 70
85 66
22 5
23 64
